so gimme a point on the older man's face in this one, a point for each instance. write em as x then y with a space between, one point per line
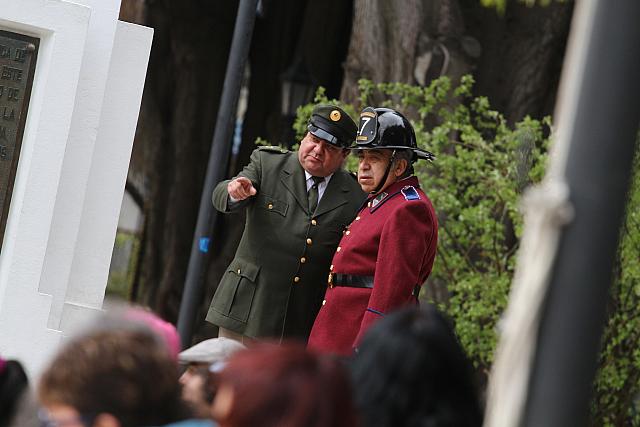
372 165
318 157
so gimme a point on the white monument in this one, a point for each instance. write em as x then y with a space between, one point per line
88 76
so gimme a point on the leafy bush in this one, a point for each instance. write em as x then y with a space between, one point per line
474 185
482 165
126 249
617 385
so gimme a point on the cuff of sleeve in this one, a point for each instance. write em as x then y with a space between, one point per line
370 317
371 310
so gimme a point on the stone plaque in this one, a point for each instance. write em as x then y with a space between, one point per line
17 66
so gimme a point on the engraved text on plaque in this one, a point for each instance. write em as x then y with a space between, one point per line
17 66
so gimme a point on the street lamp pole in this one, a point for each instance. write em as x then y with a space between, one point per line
216 168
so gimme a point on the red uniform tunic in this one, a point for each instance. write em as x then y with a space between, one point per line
395 242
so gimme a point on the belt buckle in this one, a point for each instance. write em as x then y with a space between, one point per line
330 280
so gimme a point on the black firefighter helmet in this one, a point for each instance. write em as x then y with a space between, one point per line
384 128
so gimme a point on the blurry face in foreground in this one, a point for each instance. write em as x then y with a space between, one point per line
61 415
222 403
58 415
194 385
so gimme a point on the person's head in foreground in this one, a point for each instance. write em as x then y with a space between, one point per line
111 378
201 364
386 147
15 397
283 386
410 370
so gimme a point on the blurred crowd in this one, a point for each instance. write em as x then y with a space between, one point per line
128 371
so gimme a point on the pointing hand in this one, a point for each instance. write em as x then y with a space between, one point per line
241 188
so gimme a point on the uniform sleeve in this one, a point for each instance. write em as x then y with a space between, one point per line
403 246
253 171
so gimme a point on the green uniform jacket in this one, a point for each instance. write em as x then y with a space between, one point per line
274 286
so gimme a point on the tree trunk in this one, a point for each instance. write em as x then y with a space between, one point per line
515 58
383 43
522 53
179 108
180 103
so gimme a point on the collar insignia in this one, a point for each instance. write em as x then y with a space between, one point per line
380 197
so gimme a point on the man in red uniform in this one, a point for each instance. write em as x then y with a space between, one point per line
387 252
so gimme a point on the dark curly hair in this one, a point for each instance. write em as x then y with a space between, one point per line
411 371
126 373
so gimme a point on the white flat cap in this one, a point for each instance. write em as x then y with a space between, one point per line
210 351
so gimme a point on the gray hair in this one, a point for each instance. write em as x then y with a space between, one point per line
408 156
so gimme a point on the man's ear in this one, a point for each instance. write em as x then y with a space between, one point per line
106 420
223 403
401 167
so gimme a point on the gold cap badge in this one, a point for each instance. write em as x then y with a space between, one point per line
335 115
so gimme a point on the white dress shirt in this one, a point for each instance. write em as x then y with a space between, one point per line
321 187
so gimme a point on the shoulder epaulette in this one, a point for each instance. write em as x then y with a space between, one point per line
273 149
410 193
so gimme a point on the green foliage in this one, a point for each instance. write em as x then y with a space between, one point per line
501 5
127 247
482 165
261 142
617 386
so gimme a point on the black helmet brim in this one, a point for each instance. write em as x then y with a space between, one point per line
419 152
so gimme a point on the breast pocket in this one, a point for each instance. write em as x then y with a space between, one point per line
272 204
237 288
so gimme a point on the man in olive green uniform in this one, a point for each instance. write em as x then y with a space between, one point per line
297 206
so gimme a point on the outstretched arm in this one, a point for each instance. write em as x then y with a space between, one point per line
234 194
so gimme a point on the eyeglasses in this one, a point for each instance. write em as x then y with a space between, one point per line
46 420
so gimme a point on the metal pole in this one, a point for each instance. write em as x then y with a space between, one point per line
603 129
216 168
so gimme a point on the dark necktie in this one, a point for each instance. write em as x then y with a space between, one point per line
312 194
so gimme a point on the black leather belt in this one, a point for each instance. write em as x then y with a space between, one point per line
349 280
